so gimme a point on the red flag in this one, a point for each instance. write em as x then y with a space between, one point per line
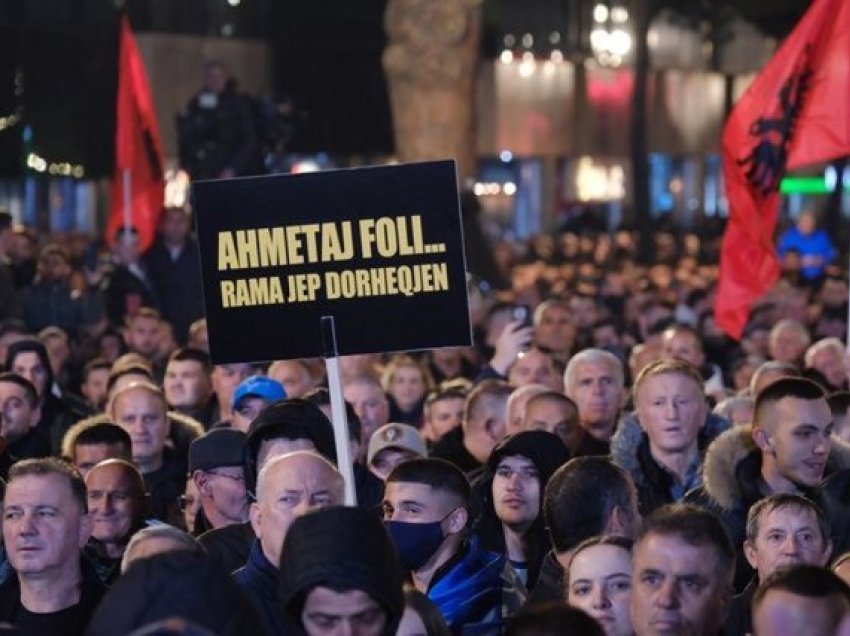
138 150
796 112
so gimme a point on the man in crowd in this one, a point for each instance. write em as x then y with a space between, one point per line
94 381
554 330
483 427
802 599
782 530
127 287
45 526
298 377
175 271
826 358
250 397
427 514
283 427
140 409
216 466
391 445
289 486
224 379
555 413
685 343
342 583
443 412
115 492
21 412
142 331
786 451
594 381
515 406
683 565
187 385
28 358
665 459
370 403
534 366
572 516
788 341
93 440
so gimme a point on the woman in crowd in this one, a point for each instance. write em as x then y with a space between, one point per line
599 582
406 383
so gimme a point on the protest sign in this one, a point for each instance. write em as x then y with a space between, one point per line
379 249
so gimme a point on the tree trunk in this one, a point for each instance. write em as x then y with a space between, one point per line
430 65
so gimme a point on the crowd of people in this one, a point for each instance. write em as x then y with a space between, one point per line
602 459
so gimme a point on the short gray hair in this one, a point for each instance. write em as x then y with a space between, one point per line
822 345
592 355
160 531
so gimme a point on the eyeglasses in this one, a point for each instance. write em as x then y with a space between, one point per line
237 478
184 502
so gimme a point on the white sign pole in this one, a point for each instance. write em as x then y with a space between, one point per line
344 461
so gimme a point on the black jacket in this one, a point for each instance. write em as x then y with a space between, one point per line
178 284
74 619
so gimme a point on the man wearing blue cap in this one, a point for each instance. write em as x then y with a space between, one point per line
251 396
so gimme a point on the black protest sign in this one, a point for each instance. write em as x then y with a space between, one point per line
379 249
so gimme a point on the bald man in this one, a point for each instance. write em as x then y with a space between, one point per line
288 487
115 495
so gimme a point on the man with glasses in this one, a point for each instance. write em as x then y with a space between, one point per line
215 463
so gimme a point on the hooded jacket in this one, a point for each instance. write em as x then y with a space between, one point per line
342 549
547 452
58 410
178 584
630 451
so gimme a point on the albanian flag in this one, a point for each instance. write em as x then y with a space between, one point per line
138 150
796 112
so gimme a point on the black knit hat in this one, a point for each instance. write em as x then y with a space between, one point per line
545 450
343 549
292 418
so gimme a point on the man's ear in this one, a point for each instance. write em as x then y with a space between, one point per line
619 523
202 482
750 553
256 517
458 520
495 428
827 552
763 440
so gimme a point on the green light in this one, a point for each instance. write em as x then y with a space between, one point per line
805 185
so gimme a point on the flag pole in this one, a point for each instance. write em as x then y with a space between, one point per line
344 460
128 201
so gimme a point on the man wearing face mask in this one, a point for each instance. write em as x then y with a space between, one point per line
427 513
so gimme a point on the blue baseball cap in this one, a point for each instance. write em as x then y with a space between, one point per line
260 386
